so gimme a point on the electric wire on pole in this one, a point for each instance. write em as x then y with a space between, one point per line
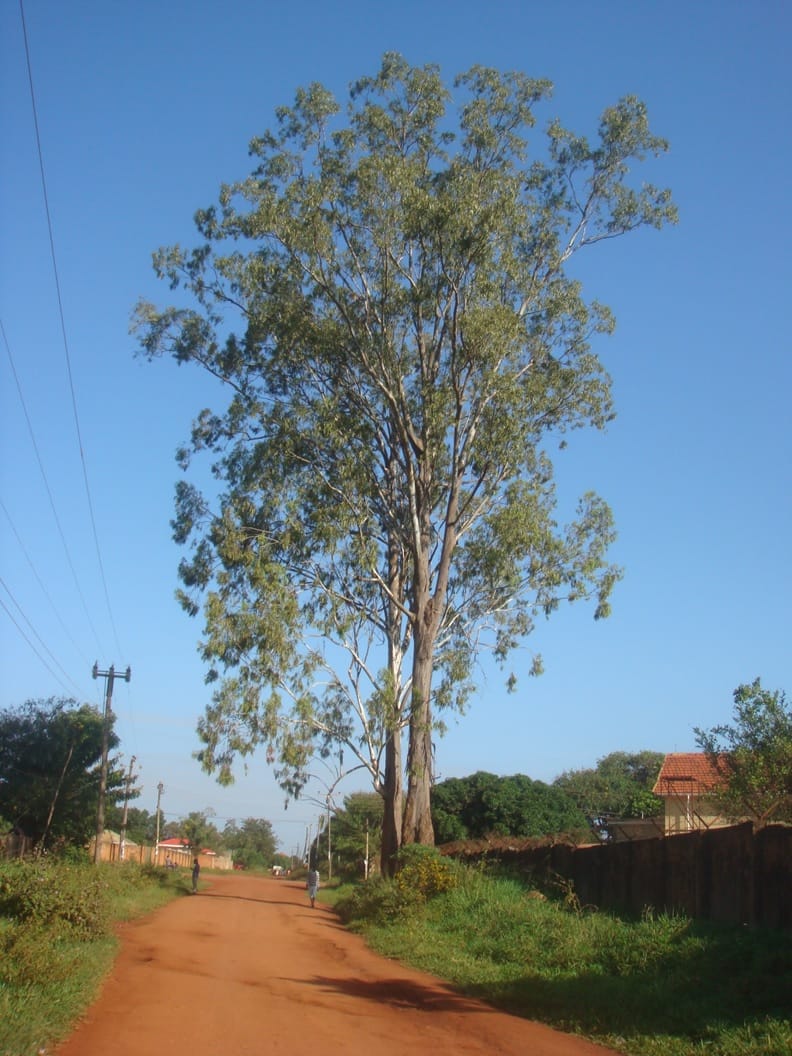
109 676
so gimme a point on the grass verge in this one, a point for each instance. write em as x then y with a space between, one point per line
57 941
658 986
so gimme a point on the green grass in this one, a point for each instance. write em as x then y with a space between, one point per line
659 986
57 942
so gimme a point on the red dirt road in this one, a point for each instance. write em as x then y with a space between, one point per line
247 967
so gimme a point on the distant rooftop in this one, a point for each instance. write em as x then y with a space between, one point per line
684 772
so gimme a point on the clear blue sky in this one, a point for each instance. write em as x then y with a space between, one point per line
144 109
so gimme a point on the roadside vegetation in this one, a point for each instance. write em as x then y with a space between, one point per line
57 941
656 986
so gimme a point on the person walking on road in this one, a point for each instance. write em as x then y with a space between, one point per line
312 884
196 872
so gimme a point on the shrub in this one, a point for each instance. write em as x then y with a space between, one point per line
44 894
377 901
423 872
74 855
26 957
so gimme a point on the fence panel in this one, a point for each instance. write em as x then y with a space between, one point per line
732 874
15 846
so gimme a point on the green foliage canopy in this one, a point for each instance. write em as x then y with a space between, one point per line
387 300
620 786
200 832
141 824
50 756
485 805
252 843
753 754
355 835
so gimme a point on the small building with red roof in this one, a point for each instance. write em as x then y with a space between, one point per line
177 851
686 783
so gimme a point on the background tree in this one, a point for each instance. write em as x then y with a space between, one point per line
252 844
450 799
171 829
141 825
410 348
200 832
753 755
50 755
355 834
620 786
485 805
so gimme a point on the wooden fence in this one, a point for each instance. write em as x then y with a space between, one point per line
734 874
14 846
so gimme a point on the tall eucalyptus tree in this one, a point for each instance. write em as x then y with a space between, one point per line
387 297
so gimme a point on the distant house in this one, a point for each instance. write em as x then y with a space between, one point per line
686 783
113 849
175 843
177 851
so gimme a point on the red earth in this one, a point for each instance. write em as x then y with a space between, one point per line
247 967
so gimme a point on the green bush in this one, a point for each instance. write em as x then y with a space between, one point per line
43 894
423 872
74 855
26 957
55 940
377 901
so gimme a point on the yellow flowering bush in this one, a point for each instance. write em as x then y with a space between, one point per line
423 872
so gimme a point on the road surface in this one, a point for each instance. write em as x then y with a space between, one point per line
247 967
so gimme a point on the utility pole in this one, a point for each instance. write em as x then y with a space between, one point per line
122 844
160 790
366 860
109 677
307 850
329 848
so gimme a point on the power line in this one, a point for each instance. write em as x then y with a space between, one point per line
41 641
179 815
47 488
61 621
32 646
63 330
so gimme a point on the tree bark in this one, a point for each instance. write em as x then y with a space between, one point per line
417 826
393 786
393 795
428 606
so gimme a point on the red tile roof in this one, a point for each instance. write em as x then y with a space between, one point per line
179 843
683 772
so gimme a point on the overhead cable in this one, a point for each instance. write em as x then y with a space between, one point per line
48 489
63 332
33 630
